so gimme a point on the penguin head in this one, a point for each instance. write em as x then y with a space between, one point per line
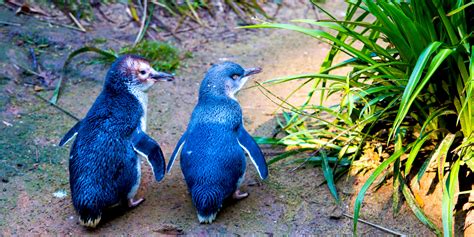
226 79
130 72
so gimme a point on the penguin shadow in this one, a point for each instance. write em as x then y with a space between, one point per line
229 202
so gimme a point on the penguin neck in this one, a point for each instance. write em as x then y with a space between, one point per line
216 97
142 98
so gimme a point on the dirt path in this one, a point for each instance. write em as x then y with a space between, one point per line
287 203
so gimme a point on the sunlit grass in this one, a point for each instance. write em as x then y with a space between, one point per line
411 72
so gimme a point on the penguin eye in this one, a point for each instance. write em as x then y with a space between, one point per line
235 77
143 72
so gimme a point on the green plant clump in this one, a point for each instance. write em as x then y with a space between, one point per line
409 86
162 56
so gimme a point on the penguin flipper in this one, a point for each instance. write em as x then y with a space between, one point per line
253 150
70 134
149 148
176 151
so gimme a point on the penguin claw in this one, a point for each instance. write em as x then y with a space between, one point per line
207 219
239 195
134 203
90 223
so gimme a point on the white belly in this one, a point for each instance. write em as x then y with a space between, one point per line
134 188
143 121
143 99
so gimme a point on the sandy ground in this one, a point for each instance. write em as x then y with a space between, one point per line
33 167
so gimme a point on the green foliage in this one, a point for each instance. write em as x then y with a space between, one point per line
411 74
189 8
162 56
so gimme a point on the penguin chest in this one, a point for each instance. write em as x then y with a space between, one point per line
142 98
144 104
136 185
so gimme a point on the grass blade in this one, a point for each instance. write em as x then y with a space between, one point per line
459 9
329 176
414 85
411 201
287 154
370 180
448 199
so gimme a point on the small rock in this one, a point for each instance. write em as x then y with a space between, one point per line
38 88
5 180
60 194
336 213
169 229
7 123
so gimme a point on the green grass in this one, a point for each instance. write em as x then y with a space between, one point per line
162 56
244 9
409 85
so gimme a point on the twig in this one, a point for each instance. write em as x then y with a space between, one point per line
9 23
142 23
78 24
29 70
180 23
97 6
34 63
376 226
61 25
194 13
163 26
178 32
57 107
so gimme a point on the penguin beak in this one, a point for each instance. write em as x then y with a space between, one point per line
161 76
252 71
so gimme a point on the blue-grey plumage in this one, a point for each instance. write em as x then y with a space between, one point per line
104 169
214 145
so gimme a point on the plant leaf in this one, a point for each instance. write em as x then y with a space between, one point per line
448 199
328 175
370 180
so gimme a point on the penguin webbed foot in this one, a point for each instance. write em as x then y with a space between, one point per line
239 195
207 219
134 203
89 223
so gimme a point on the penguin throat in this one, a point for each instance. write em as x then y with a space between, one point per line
142 98
234 89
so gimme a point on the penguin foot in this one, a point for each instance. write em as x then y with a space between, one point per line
134 203
89 222
207 219
239 195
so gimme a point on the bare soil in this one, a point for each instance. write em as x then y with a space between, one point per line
33 168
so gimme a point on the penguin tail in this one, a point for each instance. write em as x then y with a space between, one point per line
208 200
89 217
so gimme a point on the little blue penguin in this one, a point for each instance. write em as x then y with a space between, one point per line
104 169
214 145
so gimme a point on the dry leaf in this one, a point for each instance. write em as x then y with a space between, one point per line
25 8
